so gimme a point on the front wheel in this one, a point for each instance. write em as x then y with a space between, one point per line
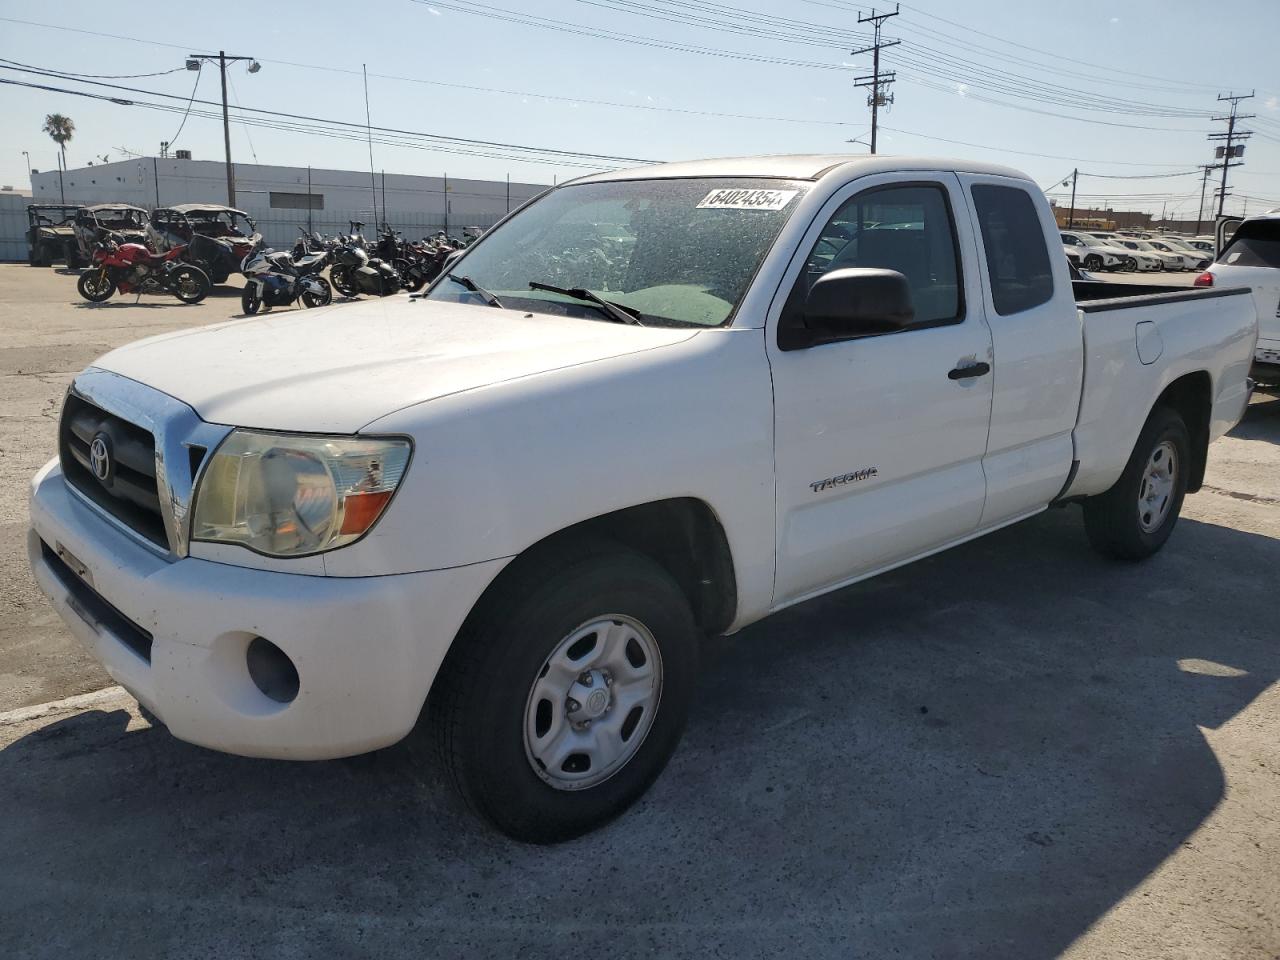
1133 519
1093 263
250 302
189 284
566 694
322 299
96 285
342 282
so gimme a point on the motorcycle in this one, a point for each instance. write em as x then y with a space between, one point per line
354 273
309 243
132 268
278 280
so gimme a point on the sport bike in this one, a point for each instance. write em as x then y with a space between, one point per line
278 280
132 268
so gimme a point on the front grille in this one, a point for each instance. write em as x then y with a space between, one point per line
95 609
128 491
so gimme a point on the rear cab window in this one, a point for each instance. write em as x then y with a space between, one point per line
1256 244
1013 238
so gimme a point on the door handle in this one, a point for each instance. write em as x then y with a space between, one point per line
968 372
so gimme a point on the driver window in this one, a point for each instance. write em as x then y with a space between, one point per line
908 229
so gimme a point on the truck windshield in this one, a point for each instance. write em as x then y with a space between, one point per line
677 252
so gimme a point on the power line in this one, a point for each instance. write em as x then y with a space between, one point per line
548 151
186 113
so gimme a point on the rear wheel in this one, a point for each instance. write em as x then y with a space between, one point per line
189 284
96 285
318 299
566 693
1133 519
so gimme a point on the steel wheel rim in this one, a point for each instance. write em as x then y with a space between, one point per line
593 702
1159 481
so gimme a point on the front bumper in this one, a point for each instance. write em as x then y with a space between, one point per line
366 649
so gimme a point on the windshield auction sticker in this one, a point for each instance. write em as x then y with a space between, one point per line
747 199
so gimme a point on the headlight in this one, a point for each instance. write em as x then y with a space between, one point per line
288 496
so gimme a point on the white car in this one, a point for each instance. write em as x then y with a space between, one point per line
1094 255
1197 257
1184 260
1164 260
509 510
1251 258
1147 257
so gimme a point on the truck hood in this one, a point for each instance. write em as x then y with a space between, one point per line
336 369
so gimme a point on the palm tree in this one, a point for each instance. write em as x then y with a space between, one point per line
60 129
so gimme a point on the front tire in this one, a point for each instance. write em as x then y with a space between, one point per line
566 692
1093 263
341 280
96 285
1133 519
250 302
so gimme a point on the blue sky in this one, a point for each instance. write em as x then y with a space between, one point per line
1133 65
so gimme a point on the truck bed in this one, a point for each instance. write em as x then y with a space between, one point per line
1095 296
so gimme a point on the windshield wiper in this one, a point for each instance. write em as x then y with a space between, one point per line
615 310
474 287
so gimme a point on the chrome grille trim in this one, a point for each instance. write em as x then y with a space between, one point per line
176 428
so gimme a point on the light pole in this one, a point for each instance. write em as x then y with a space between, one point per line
28 156
193 63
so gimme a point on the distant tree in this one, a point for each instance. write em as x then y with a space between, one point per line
60 130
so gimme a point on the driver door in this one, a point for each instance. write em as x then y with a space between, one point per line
880 439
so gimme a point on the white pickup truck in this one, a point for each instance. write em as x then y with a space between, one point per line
648 406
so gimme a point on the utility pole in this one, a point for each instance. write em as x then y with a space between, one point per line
368 129
193 63
1204 183
1233 148
876 99
1071 214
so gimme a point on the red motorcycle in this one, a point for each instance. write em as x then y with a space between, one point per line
132 268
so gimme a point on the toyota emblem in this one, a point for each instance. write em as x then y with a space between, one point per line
100 457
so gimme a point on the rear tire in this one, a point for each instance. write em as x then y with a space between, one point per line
498 703
189 284
1133 519
318 300
96 285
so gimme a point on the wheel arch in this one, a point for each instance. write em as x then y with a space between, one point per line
1191 397
683 535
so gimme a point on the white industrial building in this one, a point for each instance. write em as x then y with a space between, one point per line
281 199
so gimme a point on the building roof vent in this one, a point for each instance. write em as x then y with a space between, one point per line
183 154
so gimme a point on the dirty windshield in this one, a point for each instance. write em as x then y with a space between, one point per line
672 251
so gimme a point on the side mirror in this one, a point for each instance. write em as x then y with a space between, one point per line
854 302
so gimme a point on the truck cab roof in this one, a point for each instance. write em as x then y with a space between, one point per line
800 166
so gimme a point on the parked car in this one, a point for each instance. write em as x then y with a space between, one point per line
1203 244
1095 255
1146 257
51 235
218 238
1194 256
1251 257
1181 259
1149 254
513 505
123 222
